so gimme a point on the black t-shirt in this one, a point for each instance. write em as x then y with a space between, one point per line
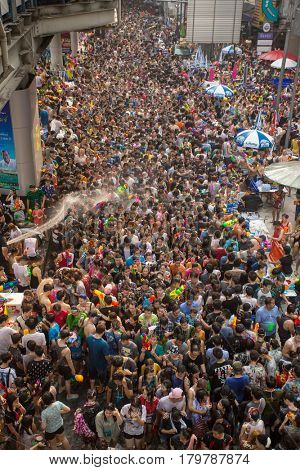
227 267
286 264
38 370
188 361
213 443
3 244
218 373
252 202
232 304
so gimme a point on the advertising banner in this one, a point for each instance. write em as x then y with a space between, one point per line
270 12
8 162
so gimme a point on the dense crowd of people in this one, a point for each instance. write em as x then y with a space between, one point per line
154 315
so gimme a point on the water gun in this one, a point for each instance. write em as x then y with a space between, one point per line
123 188
146 342
8 285
256 327
134 269
72 338
77 378
29 215
147 301
176 293
233 321
101 296
229 223
108 220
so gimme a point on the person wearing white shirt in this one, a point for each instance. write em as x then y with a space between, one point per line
5 334
55 126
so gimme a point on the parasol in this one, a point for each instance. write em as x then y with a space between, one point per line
285 173
275 55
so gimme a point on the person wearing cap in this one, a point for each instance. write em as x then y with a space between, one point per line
175 399
75 319
238 381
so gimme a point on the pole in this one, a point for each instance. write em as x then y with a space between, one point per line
288 131
282 71
291 16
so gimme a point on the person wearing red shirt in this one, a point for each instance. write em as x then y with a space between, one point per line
60 315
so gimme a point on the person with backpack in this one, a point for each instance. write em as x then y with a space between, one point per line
7 374
62 360
84 420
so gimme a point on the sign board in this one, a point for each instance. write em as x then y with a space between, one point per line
261 49
214 22
264 42
270 12
8 162
265 36
266 27
66 43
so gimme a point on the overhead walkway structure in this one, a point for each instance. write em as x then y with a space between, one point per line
28 27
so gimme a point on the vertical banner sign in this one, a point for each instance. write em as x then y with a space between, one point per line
270 12
8 163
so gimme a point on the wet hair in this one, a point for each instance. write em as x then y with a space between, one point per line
218 428
47 398
31 323
38 350
16 337
5 357
65 333
31 344
217 353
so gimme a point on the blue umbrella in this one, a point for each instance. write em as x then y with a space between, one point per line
219 91
254 139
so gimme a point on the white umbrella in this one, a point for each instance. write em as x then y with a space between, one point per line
289 64
285 173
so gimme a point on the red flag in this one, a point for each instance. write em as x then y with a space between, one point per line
234 71
211 74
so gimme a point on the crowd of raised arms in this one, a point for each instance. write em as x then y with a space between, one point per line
150 313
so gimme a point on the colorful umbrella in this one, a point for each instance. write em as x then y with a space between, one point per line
219 91
275 55
254 139
289 64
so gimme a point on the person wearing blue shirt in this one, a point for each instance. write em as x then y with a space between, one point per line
238 382
267 316
98 355
186 307
44 117
54 329
113 337
211 359
133 258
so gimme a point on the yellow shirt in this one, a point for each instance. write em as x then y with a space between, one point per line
156 368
